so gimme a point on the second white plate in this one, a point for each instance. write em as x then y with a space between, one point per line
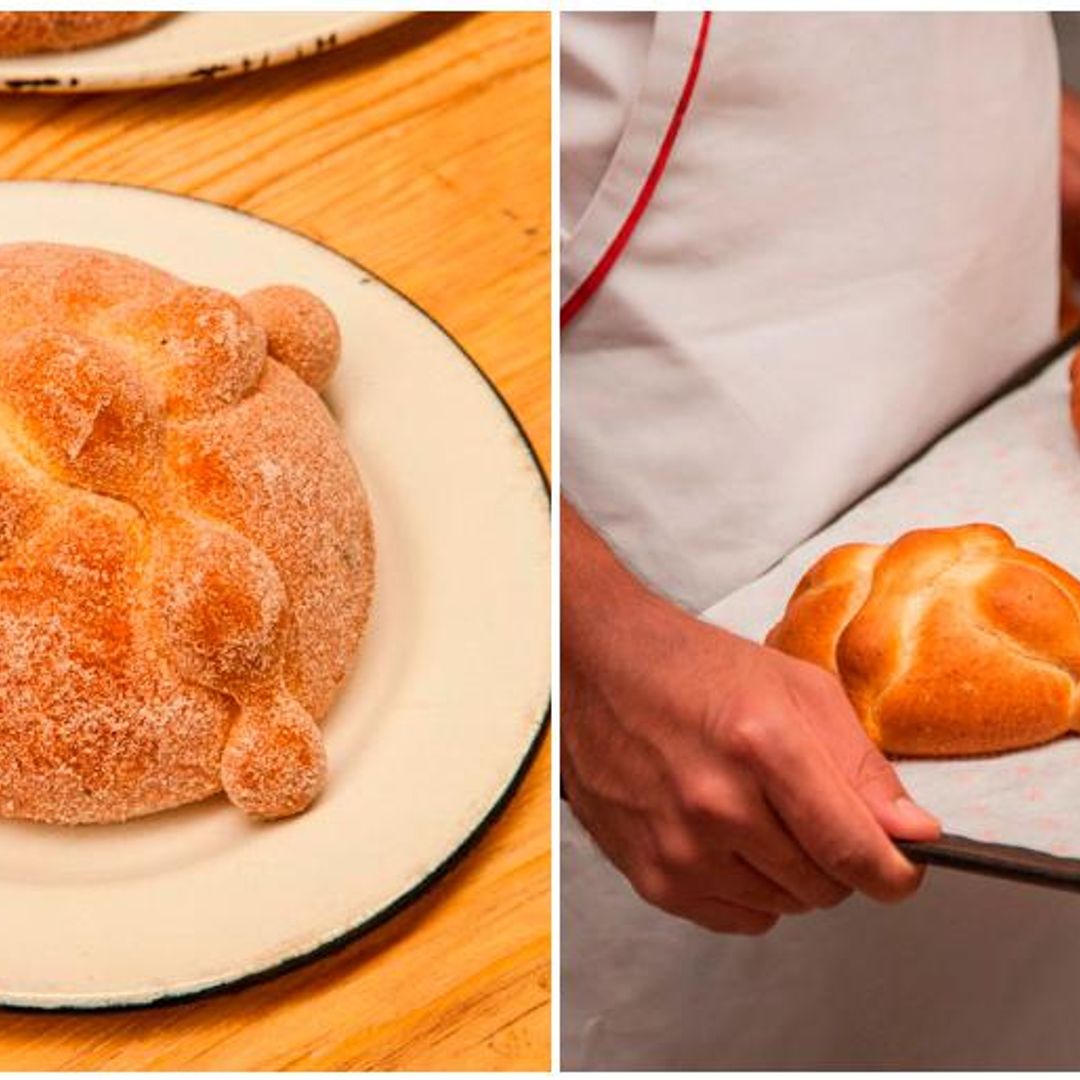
192 46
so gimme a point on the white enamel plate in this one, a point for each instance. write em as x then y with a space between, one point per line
191 46
427 737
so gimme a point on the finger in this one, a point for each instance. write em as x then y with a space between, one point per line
878 784
881 789
762 903
828 819
726 918
866 769
727 815
773 852
736 881
679 864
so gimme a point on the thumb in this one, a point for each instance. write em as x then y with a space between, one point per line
880 788
865 768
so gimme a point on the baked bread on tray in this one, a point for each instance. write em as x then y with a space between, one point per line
948 641
186 552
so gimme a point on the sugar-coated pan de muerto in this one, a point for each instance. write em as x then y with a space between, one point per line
57 31
949 641
186 556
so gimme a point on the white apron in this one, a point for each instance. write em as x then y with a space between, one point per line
848 239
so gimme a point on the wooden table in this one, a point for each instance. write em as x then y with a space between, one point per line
423 153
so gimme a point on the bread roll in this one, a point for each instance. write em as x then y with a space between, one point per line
59 31
186 553
948 641
1074 391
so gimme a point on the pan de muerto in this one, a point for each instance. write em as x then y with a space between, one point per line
58 31
186 558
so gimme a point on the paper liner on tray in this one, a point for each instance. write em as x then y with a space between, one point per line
1017 465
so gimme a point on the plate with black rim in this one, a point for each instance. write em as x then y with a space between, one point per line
431 732
192 46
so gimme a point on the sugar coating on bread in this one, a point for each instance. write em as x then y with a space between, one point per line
302 332
186 550
56 31
224 465
948 641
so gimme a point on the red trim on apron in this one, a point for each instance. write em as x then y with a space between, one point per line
582 294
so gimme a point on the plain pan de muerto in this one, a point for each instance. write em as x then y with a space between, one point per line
186 554
948 641
58 31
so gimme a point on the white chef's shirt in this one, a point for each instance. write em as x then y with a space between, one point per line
854 241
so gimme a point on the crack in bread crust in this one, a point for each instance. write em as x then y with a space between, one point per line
825 599
912 611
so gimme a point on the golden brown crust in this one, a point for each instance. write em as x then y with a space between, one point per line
1074 391
58 31
961 642
1068 312
186 556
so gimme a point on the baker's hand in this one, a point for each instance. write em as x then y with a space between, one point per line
730 783
1070 181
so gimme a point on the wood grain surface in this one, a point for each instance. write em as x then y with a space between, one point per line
423 153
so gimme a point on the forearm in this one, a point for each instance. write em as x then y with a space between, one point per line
709 769
602 603
607 612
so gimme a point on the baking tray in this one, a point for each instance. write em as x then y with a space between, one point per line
1019 432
